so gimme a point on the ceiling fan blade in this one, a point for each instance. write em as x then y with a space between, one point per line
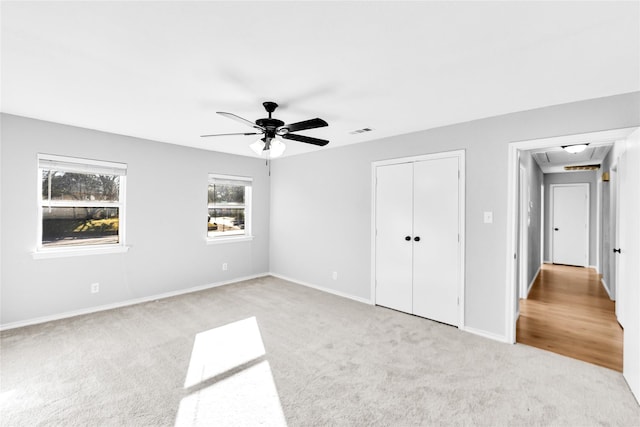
230 134
239 119
307 124
306 139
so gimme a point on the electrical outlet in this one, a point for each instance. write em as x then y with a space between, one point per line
334 276
95 288
225 267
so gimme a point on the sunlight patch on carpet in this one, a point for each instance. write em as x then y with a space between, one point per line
222 349
232 385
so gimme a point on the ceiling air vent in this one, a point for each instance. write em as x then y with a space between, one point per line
582 168
363 130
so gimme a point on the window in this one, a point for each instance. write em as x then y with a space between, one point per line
229 206
81 203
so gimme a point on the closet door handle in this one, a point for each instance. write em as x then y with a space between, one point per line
417 238
556 229
617 251
407 238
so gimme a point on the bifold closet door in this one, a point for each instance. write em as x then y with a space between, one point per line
435 254
394 225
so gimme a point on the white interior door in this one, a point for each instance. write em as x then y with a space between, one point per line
435 243
570 224
629 259
394 223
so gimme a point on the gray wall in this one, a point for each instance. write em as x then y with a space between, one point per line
321 202
535 181
589 177
165 206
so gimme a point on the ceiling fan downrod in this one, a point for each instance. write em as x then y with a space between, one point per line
270 107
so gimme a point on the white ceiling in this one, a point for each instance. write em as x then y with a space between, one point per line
160 70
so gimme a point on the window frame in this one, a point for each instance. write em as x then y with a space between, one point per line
84 166
248 211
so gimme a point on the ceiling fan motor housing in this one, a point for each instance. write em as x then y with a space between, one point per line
270 125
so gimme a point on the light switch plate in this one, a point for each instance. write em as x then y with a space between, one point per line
488 217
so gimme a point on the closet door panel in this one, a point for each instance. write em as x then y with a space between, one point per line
436 224
394 222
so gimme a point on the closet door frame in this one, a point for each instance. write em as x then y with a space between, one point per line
460 155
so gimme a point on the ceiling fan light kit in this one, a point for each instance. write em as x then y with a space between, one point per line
574 149
274 149
273 130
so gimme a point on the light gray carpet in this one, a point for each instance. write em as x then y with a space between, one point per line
327 361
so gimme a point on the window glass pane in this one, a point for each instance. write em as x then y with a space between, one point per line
63 226
226 194
225 221
79 186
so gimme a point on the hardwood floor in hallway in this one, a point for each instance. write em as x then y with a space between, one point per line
568 312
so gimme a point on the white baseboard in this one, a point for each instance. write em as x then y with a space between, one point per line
474 331
323 289
606 288
535 276
126 303
595 267
485 334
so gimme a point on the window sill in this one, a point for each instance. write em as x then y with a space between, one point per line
71 252
230 239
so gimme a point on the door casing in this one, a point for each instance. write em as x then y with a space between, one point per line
511 280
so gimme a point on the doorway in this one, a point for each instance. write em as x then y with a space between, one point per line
630 337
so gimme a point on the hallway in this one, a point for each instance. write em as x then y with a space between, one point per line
568 312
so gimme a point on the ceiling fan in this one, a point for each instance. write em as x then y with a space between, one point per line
273 130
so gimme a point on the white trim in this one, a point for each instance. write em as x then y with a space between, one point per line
598 234
593 138
485 334
595 267
228 239
323 289
412 159
512 165
135 301
122 167
460 154
523 244
79 251
462 185
606 288
541 212
535 276
229 177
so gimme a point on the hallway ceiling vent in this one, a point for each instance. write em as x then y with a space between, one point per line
582 168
